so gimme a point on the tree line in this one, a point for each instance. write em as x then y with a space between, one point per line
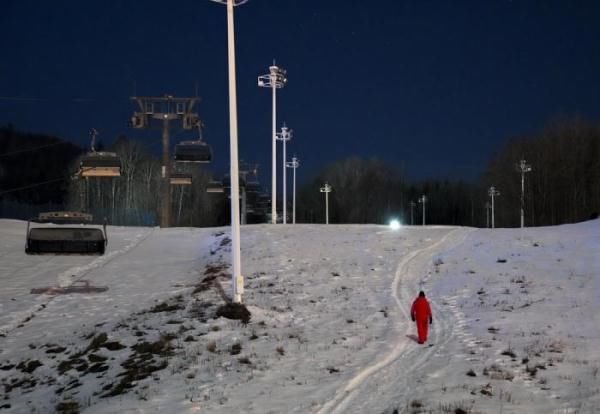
27 159
133 198
370 191
40 173
563 186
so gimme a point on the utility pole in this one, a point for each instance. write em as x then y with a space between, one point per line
326 189
412 208
295 163
423 200
492 192
284 136
275 79
163 110
237 280
523 168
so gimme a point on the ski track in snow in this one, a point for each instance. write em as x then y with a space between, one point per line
68 278
441 333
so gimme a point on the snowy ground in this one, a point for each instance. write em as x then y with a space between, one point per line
516 324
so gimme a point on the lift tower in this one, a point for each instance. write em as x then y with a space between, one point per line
159 111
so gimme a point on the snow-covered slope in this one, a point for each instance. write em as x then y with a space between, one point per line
329 330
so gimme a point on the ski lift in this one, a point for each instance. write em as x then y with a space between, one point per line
195 150
253 187
215 187
52 235
227 182
180 175
263 202
99 164
180 179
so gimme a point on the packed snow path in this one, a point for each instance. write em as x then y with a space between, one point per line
394 369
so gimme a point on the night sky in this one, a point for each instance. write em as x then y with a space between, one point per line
434 87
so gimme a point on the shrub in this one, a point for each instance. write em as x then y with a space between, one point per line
509 352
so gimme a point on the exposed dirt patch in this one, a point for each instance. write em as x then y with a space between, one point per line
141 364
166 307
29 366
236 311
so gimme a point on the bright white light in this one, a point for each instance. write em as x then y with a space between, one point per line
394 224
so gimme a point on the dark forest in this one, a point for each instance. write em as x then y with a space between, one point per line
39 173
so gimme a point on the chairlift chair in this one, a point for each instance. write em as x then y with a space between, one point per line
180 179
227 182
52 235
253 187
263 201
194 150
215 187
99 164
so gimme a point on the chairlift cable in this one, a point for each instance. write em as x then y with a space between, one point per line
7 154
36 99
25 187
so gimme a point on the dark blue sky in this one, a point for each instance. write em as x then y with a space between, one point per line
433 86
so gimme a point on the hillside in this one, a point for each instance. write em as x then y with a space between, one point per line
515 321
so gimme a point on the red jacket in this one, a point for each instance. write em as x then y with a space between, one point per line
420 309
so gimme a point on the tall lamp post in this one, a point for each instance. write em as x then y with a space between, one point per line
326 189
284 135
237 280
523 168
275 79
295 163
423 200
492 192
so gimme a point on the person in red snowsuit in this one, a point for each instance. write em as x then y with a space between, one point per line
421 313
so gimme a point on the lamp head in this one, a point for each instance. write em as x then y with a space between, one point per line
235 2
395 224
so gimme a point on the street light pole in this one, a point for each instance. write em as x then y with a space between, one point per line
237 278
423 200
295 163
326 189
284 135
492 192
276 78
523 168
